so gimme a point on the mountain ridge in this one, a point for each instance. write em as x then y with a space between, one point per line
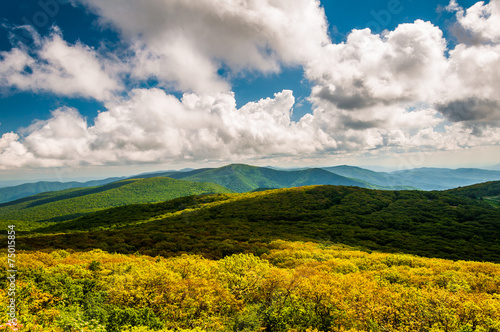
432 224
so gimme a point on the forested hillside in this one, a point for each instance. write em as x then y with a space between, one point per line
72 203
432 224
28 189
243 178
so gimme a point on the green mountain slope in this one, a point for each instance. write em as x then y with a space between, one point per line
243 178
489 192
28 189
431 224
72 203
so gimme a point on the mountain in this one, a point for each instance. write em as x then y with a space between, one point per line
421 178
377 178
243 178
71 203
494 167
443 178
171 174
28 189
432 224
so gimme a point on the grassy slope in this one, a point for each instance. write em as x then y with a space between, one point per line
72 203
28 189
432 224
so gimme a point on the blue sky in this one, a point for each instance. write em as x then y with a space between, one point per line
249 82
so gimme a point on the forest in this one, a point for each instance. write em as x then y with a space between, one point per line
308 259
431 224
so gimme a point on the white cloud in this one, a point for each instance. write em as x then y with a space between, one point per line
184 43
478 24
151 126
405 65
376 89
59 68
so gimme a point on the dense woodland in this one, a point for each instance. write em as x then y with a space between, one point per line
430 224
317 258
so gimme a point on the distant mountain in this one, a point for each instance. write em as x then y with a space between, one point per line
12 193
421 178
494 167
378 178
243 178
171 174
71 203
443 178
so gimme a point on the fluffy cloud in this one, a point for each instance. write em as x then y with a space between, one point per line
152 126
374 82
404 65
57 67
478 24
184 43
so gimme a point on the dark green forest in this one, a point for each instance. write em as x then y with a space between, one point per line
429 224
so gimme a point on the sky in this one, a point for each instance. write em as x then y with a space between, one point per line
94 88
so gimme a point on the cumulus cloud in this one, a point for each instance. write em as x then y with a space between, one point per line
404 65
374 82
480 23
57 67
184 43
152 126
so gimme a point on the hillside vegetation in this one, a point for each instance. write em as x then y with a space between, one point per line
72 203
28 189
432 224
244 178
294 287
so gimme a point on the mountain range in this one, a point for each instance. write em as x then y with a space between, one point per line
244 178
446 224
75 202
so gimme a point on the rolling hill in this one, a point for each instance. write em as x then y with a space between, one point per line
431 224
12 193
243 178
72 203
273 260
421 178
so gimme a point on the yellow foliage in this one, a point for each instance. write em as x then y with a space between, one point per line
295 287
